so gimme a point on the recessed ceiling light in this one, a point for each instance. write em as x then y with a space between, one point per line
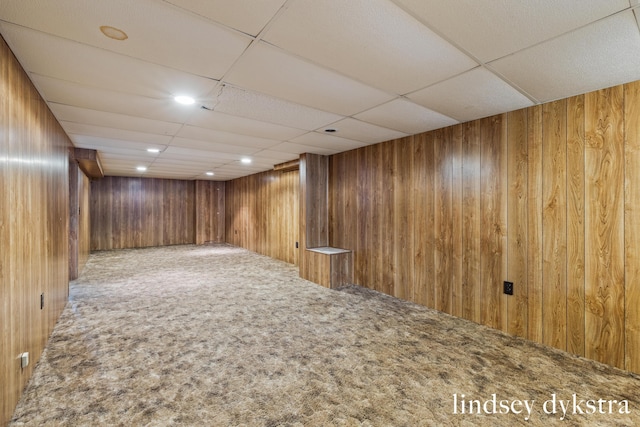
331 130
113 33
141 168
246 160
153 150
210 173
184 100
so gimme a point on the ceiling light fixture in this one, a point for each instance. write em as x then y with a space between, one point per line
184 100
210 173
114 33
141 168
153 150
246 160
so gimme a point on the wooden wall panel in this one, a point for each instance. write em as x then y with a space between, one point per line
575 225
534 223
604 220
423 229
493 230
84 221
403 214
262 214
443 225
632 226
470 232
554 217
34 233
210 212
141 212
536 196
517 220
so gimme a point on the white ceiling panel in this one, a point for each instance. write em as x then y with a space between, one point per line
62 92
472 95
286 76
67 60
203 134
157 33
88 141
248 16
293 148
361 131
405 116
372 41
68 113
203 155
603 54
258 106
113 133
212 146
493 29
242 126
321 140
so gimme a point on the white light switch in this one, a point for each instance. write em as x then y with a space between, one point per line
24 360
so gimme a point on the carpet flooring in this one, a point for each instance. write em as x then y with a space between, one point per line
219 336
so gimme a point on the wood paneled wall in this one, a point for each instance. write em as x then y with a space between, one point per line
262 214
547 197
79 223
34 215
210 212
141 212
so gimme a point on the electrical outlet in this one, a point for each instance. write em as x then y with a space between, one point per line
508 288
24 360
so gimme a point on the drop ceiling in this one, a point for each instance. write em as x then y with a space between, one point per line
270 76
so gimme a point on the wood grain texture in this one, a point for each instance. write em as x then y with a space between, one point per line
316 198
262 214
632 226
554 218
34 233
493 231
457 293
575 225
443 225
604 222
423 237
517 221
534 223
470 232
403 214
210 212
141 212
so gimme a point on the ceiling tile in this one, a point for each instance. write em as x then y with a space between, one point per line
62 92
603 54
254 105
157 32
193 132
472 95
372 41
360 131
68 113
493 29
212 146
330 142
405 116
114 133
102 143
63 59
248 16
297 149
241 125
267 69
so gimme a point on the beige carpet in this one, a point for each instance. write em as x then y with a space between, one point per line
219 336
